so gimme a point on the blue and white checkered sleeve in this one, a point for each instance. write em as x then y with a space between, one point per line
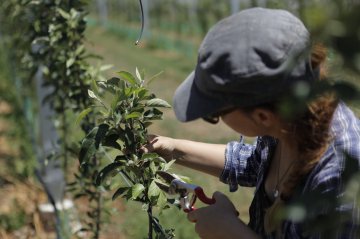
241 165
335 206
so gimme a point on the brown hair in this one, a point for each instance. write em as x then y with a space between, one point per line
311 131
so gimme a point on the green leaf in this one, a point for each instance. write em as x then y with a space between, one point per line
153 114
92 95
113 81
138 75
105 67
120 191
110 140
153 168
158 103
109 170
63 13
121 158
133 115
136 190
162 200
168 165
82 114
100 134
154 77
128 77
88 148
94 86
153 190
149 156
70 62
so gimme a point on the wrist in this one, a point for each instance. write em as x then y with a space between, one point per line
177 152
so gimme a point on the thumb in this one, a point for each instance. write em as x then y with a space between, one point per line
220 197
223 200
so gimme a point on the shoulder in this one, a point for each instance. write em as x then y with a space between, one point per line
345 129
343 154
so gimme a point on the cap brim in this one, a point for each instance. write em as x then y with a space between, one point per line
190 103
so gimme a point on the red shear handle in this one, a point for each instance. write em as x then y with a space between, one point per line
201 195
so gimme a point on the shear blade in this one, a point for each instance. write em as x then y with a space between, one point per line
163 187
168 178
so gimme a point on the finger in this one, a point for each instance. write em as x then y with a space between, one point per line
220 197
151 137
144 149
149 147
192 216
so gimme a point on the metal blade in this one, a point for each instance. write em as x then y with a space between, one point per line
163 187
166 176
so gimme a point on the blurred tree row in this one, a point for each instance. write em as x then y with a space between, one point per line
333 22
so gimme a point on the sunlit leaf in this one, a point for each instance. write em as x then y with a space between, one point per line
162 200
63 13
138 75
128 77
136 190
168 165
158 103
92 95
133 115
105 67
149 156
153 190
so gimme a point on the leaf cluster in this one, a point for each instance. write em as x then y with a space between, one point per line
125 108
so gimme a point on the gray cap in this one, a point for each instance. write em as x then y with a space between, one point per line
246 59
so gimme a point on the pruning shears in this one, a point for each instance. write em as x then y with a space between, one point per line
188 192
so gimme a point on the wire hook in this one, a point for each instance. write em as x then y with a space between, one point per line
142 23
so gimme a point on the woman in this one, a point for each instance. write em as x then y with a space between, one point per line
251 66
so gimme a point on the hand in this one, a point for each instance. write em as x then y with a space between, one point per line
219 220
163 146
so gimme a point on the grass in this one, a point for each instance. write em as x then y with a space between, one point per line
124 55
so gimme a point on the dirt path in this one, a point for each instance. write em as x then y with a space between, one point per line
19 217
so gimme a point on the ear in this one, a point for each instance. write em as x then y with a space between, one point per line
263 117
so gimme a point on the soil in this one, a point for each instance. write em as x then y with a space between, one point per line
20 198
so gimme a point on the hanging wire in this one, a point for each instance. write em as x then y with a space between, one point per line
142 23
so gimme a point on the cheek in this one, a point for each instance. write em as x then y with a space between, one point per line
241 124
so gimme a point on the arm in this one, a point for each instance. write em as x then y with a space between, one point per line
208 158
239 166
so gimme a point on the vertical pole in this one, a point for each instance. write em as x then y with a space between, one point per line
48 142
103 11
235 6
146 18
49 173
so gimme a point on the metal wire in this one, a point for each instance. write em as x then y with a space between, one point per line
142 23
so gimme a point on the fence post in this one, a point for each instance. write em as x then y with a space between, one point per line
49 173
146 18
235 6
103 11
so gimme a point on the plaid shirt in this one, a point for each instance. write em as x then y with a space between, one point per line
247 164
